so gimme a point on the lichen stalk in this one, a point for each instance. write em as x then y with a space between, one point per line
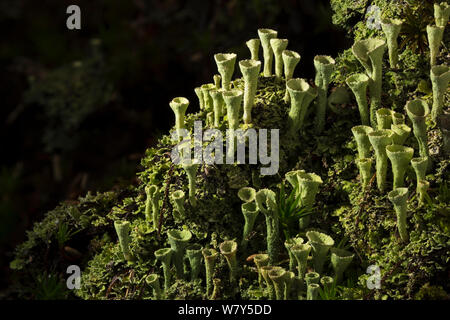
278 46
324 66
201 101
250 212
435 35
358 84
419 165
417 111
309 186
320 244
400 157
288 244
250 71
290 61
422 188
312 292
233 101
362 140
401 133
379 140
177 198
261 260
153 281
164 255
441 13
152 204
194 254
228 249
278 278
225 65
178 241
440 76
218 102
253 46
384 118
398 198
191 172
210 257
299 90
391 28
365 170
301 253
265 35
179 106
340 260
123 233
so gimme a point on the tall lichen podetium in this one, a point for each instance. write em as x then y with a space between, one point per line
123 233
435 35
278 46
233 101
379 140
417 111
194 254
384 118
191 169
301 96
260 260
178 241
340 260
301 254
400 157
391 29
309 186
401 133
179 106
265 35
441 13
365 170
207 99
177 198
370 53
440 76
278 279
420 165
201 101
253 46
422 187
152 205
288 244
290 61
266 202
324 66
218 102
361 134
250 70
164 255
398 198
228 249
358 84
225 65
320 244
210 257
250 212
269 283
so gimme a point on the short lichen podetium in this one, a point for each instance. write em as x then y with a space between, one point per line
321 244
152 205
313 291
440 76
191 169
269 284
391 29
153 281
179 106
228 249
379 140
290 61
164 255
207 100
358 84
422 188
265 35
370 53
247 194
301 253
225 65
299 90
123 233
309 186
250 71
435 35
361 134
278 46
312 277
417 111
266 203
400 157
327 282
365 170
278 279
250 212
441 13
253 46
398 118
384 118
292 178
401 133
260 260
210 257
324 66
288 244
201 101
398 198
177 199
218 102
233 101
194 254
340 260
420 166
178 241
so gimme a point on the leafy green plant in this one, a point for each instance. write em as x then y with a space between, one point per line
49 287
64 234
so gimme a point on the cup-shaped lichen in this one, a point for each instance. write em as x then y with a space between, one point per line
400 157
123 233
290 61
191 172
299 90
194 254
398 198
278 279
365 170
247 194
417 111
312 277
440 76
250 71
391 28
441 13
358 84
178 241
152 204
233 101
164 255
289 282
384 118
179 106
435 35
225 65
207 100
292 178
210 257
201 100
379 140
250 212
253 46
153 281
269 283
217 79
398 118
420 166
370 53
422 188
261 260
309 186
278 46
177 199
301 253
229 249
218 102
324 66
288 244
340 260
401 133
362 140
266 203
327 282
265 35
320 243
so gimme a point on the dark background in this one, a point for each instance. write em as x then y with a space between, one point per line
150 52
